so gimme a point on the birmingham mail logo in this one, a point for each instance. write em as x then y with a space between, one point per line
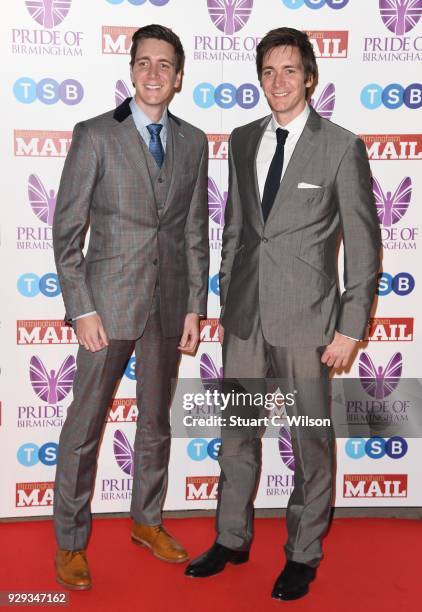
216 202
43 204
34 494
379 382
44 331
52 387
324 105
41 143
229 16
385 147
392 207
121 92
48 13
400 16
123 452
208 330
285 448
329 43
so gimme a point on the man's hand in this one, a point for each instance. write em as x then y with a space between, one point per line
190 337
339 352
220 333
91 333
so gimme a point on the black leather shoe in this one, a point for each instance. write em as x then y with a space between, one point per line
214 561
293 581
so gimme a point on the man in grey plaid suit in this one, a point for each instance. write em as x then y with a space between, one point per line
138 177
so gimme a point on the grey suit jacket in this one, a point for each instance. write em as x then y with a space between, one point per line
286 269
106 184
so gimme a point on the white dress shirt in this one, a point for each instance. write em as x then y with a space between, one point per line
269 142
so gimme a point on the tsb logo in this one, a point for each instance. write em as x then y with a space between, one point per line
48 91
401 284
393 96
376 448
30 285
315 4
226 95
130 369
199 449
214 284
30 454
139 2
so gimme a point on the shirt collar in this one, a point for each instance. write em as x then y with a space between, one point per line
296 125
142 120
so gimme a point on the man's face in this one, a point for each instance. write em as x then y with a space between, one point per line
154 75
283 82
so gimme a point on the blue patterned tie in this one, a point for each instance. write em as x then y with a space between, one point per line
155 146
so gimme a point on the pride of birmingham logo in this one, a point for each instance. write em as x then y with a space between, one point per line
285 448
43 204
380 382
121 92
52 387
400 16
216 202
48 13
324 106
210 374
229 16
123 452
392 207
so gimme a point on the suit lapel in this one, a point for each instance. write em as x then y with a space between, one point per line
128 137
179 152
253 146
303 151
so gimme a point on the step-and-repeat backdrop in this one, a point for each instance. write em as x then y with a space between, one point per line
67 60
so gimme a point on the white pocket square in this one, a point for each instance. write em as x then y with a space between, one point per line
308 186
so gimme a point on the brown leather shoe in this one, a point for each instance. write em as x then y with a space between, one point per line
161 544
72 569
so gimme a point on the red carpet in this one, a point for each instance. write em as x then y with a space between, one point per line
370 565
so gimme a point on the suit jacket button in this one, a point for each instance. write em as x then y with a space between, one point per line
160 180
154 263
264 239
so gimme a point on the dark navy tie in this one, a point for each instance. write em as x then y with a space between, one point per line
272 182
155 145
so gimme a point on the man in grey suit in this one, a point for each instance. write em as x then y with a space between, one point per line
138 176
297 184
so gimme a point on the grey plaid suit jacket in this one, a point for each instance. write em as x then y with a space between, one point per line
106 184
286 269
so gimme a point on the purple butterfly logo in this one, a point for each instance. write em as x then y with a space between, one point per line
123 452
380 382
285 448
324 106
210 374
391 208
43 204
229 16
121 92
400 16
48 13
216 202
52 387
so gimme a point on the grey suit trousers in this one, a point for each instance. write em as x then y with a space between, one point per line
157 360
308 512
